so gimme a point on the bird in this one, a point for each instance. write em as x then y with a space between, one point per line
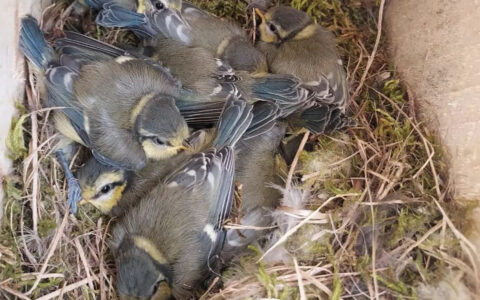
168 244
202 74
115 190
97 4
307 104
222 38
117 117
294 44
258 173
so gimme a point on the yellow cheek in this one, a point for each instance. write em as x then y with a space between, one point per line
106 205
158 153
266 36
141 7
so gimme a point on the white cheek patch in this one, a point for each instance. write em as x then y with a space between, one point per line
208 229
123 59
168 22
172 184
235 243
68 81
216 90
210 179
182 35
105 197
340 62
191 173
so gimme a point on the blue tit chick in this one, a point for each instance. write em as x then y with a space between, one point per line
174 251
207 78
81 6
115 190
125 120
185 23
258 173
294 44
309 104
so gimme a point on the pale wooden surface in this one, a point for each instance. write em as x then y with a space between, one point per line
11 69
435 46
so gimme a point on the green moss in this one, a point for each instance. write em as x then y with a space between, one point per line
275 288
397 286
408 221
45 227
224 8
15 139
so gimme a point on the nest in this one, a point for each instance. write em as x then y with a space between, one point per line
366 213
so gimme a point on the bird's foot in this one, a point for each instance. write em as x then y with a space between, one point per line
74 194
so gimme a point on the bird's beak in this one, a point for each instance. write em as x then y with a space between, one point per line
141 7
183 147
260 14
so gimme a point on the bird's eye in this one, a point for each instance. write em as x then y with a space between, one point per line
159 5
159 141
272 27
106 188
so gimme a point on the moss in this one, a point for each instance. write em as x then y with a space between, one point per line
408 221
45 227
275 288
224 8
398 287
15 139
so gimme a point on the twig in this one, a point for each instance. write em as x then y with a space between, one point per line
374 51
372 212
299 225
421 240
14 292
33 149
316 283
254 17
301 288
65 289
461 237
295 160
51 250
101 267
315 174
210 287
83 259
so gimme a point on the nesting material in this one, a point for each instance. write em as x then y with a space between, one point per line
379 223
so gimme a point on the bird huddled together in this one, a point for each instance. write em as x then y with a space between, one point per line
173 124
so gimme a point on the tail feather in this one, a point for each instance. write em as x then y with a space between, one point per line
281 89
96 4
324 119
200 114
265 116
284 90
114 15
234 121
76 42
33 44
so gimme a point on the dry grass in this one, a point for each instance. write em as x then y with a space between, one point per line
378 223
